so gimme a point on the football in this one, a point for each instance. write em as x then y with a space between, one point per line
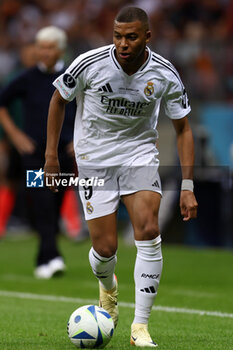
90 326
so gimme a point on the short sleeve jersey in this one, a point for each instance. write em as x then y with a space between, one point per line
117 114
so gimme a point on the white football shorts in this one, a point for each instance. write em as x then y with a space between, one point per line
104 186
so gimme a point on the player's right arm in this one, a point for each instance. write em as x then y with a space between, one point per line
55 121
67 86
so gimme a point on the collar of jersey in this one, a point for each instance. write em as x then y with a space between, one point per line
116 63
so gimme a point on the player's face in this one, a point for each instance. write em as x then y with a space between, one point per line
48 53
130 40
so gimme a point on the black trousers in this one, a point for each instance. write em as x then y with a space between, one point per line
44 209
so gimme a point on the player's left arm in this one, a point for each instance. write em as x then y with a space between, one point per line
185 146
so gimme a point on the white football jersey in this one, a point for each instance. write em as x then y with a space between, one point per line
116 113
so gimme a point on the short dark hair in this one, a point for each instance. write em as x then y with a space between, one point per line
130 14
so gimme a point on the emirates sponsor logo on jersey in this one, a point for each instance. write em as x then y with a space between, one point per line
122 106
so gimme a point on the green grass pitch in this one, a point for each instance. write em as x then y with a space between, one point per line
193 309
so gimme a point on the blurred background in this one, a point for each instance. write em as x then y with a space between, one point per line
197 37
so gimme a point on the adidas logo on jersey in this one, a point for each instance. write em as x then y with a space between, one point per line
156 184
106 88
150 290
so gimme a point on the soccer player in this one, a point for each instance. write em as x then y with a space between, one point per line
118 89
34 88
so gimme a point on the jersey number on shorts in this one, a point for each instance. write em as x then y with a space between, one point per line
88 190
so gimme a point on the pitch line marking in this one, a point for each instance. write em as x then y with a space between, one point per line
31 296
185 292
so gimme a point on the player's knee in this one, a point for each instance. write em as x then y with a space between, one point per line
147 232
105 250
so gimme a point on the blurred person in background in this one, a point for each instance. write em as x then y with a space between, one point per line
13 215
34 88
10 160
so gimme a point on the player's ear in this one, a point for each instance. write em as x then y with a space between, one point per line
148 36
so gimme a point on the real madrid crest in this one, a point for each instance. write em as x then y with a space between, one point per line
89 208
149 89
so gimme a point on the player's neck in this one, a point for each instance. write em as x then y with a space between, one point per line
132 67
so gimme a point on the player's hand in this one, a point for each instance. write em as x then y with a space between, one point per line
51 173
188 205
23 143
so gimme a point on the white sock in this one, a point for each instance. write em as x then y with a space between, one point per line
103 268
147 273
